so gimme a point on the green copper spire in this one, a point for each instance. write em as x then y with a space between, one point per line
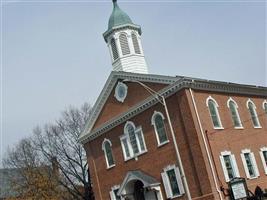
118 17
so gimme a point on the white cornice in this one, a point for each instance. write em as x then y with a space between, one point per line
174 86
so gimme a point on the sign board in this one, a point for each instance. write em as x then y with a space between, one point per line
238 188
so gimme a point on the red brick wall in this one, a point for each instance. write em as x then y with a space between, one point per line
232 139
188 138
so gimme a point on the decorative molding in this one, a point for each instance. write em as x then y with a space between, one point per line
174 84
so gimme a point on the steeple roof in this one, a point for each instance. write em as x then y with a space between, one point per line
118 17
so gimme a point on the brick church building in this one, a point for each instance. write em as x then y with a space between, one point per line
153 137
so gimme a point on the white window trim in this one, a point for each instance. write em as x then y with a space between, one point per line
155 128
217 112
139 128
262 159
254 106
233 162
166 181
236 109
111 193
104 149
253 161
116 94
126 136
263 104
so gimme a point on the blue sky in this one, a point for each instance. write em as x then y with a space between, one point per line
54 54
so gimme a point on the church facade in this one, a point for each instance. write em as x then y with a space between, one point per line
153 137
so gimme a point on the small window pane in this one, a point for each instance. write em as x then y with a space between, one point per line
265 107
173 182
132 138
160 129
235 115
140 138
135 44
109 154
229 167
265 157
124 44
126 148
249 165
114 49
253 115
213 113
116 195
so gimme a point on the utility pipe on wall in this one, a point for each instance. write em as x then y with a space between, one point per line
206 146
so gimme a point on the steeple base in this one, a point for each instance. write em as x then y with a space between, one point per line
132 63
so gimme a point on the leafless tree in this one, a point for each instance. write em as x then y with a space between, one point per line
57 143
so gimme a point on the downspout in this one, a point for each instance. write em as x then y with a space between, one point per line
206 146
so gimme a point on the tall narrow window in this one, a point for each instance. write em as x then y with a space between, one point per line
232 105
106 147
249 163
132 141
253 114
135 44
229 165
263 155
131 132
213 109
114 49
264 105
158 122
124 44
172 181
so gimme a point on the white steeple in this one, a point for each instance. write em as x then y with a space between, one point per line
123 38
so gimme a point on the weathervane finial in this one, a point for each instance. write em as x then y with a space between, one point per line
114 1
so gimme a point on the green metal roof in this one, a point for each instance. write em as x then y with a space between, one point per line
118 17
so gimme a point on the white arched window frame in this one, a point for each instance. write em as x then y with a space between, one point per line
249 163
263 155
161 136
108 155
214 113
125 49
253 113
132 141
229 165
114 49
233 108
136 44
264 106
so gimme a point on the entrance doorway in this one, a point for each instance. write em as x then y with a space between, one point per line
139 190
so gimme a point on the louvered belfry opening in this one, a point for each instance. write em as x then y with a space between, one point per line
135 44
124 44
114 49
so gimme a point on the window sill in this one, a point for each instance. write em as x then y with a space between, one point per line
240 128
135 156
176 196
251 178
257 127
110 167
218 128
163 143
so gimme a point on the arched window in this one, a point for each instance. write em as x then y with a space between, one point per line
132 141
213 109
135 44
264 105
114 49
106 147
124 44
157 121
253 114
232 105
